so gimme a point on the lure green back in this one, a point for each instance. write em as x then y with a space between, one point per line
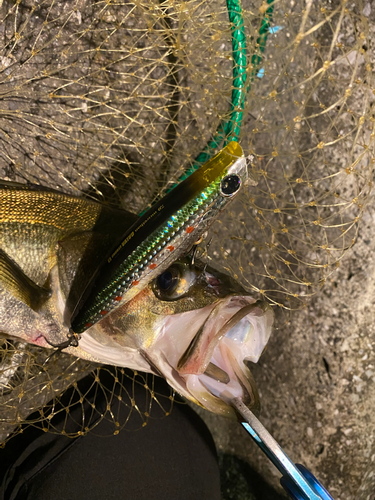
162 235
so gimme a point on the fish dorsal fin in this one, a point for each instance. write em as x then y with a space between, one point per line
28 187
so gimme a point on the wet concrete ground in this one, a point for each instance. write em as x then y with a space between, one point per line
316 382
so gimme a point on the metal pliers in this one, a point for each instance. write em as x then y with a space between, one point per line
297 481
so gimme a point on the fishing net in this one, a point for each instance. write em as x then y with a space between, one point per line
32 390
115 101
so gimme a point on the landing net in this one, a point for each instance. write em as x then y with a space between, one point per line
115 101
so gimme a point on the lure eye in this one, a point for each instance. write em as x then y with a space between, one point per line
230 185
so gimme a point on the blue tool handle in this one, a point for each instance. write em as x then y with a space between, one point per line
295 493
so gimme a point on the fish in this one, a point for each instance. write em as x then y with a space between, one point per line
191 324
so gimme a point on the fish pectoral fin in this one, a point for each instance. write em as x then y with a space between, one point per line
15 281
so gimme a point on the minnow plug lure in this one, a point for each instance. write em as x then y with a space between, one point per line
164 233
182 216
178 220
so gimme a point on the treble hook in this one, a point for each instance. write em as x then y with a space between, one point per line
72 341
193 253
195 247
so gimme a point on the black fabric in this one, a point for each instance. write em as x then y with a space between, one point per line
170 458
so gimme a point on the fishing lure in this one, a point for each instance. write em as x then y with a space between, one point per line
164 233
188 207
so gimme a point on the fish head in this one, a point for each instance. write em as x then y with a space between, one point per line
194 326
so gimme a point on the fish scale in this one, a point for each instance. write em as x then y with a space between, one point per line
162 235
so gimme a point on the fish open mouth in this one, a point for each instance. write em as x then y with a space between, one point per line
211 367
200 352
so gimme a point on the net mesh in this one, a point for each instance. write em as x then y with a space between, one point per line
114 101
35 388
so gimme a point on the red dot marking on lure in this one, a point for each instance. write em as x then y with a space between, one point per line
189 229
103 313
118 298
135 283
87 325
170 248
152 266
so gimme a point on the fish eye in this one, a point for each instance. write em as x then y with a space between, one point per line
175 282
165 285
168 281
230 185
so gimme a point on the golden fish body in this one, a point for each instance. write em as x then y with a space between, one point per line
49 244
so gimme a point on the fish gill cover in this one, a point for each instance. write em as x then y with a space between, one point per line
114 100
